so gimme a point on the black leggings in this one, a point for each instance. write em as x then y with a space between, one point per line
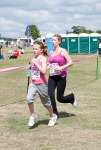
59 83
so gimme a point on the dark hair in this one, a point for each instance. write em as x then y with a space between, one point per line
58 36
42 46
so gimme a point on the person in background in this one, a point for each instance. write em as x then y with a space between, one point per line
1 53
38 84
99 47
14 54
58 63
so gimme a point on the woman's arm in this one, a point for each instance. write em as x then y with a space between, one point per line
68 59
42 67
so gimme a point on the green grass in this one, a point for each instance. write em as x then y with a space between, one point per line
77 128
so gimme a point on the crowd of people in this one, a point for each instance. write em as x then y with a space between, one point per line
13 52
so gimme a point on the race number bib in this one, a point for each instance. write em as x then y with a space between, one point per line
53 71
35 74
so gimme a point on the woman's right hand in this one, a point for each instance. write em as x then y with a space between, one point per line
28 66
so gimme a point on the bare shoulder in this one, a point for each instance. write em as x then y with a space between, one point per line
43 58
64 51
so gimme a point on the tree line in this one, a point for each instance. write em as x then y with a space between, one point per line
34 32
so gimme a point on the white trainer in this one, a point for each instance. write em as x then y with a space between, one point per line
32 121
75 102
52 120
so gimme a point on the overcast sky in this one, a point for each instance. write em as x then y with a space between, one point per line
51 16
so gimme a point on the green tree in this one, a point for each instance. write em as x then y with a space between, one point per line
32 31
89 31
81 29
98 31
78 29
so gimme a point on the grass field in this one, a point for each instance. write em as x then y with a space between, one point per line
76 129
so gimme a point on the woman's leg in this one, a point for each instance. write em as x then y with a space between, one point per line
33 116
30 95
53 117
51 93
61 84
31 108
50 110
45 99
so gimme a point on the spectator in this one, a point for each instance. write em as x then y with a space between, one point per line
1 53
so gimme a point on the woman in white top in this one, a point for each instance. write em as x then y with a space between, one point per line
99 47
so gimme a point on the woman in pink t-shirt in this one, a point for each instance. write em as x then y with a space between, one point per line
38 84
59 61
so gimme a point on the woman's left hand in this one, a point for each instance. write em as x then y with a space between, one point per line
58 68
34 61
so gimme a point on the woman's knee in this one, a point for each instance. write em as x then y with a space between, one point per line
59 98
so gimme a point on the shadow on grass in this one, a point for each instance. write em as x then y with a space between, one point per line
65 114
40 122
45 121
36 124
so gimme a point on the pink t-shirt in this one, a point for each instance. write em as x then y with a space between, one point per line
55 60
36 76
